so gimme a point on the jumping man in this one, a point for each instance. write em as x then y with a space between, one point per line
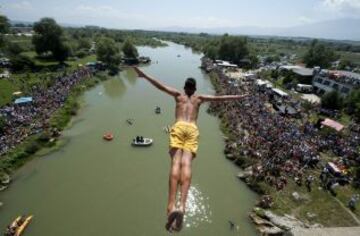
183 142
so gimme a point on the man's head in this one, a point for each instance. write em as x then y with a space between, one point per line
190 86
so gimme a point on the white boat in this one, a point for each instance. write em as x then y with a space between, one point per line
145 143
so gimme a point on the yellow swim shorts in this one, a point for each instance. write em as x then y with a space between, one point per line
184 135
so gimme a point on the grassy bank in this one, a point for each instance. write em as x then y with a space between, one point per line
41 144
317 206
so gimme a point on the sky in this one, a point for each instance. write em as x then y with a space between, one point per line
157 14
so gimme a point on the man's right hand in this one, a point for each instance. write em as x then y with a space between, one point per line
139 72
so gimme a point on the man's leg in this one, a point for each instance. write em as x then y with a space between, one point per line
185 181
174 178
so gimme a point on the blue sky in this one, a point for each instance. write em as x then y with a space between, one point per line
143 14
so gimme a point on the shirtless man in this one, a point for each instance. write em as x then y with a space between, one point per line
183 142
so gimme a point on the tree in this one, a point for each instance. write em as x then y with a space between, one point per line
13 49
4 24
211 52
332 100
21 62
352 103
319 55
83 44
108 52
129 49
232 48
61 52
49 38
254 61
4 28
345 64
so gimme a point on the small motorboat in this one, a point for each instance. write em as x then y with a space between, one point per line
108 136
157 110
17 227
130 121
22 227
144 142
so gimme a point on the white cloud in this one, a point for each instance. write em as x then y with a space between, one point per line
305 19
23 5
109 13
350 6
105 11
202 22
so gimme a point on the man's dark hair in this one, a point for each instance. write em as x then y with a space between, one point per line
190 83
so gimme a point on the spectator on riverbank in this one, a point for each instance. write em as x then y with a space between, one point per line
279 145
24 120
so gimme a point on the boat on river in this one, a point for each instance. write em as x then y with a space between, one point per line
130 121
108 136
144 142
157 110
17 227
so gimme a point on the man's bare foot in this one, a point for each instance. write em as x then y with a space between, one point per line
171 220
179 219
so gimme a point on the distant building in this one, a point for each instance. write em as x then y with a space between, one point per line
303 75
342 81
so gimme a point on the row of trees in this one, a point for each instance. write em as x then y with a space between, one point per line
51 41
49 37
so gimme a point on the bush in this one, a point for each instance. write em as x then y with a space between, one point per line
19 156
81 53
21 62
352 103
332 100
44 137
32 148
129 49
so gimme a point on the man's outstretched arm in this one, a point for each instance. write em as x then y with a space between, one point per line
211 98
169 90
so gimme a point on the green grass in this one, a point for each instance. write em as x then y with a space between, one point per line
6 90
48 62
328 211
75 63
345 119
351 56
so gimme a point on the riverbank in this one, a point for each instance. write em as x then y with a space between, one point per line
49 139
279 191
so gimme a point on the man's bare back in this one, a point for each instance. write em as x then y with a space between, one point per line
187 108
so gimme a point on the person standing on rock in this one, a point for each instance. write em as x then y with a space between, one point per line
183 142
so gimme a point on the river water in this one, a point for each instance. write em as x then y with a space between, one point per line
92 187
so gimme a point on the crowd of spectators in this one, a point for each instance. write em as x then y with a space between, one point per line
278 146
23 120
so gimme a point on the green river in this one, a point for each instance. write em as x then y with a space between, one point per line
93 187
